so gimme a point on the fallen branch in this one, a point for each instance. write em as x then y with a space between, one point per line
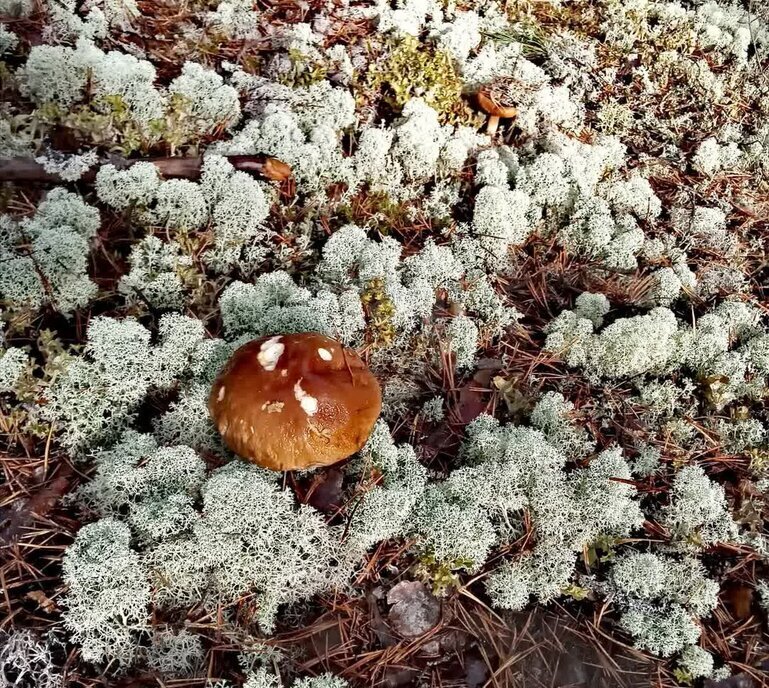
27 170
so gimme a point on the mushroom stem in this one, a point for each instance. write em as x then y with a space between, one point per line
491 127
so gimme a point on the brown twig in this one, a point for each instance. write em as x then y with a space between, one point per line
28 170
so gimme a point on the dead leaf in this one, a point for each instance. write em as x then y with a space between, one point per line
470 404
516 401
738 599
276 170
376 622
325 492
45 603
415 610
39 505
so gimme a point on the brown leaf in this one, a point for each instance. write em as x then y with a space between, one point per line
436 442
42 502
738 598
516 401
376 622
39 505
276 170
45 602
471 403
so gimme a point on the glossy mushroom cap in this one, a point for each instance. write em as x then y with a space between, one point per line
295 401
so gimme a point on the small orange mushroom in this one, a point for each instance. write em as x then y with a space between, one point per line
295 401
492 103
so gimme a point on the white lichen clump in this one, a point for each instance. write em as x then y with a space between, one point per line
95 397
662 597
107 603
45 257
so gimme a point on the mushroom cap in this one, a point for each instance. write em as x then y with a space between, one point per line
491 105
295 401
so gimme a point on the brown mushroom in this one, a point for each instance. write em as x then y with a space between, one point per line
295 401
493 105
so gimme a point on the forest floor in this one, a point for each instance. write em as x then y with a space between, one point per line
692 115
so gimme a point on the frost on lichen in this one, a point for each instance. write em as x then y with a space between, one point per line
462 335
176 654
237 19
124 188
628 347
239 206
112 94
300 128
69 168
210 538
28 658
657 343
8 40
384 510
499 222
179 204
553 415
13 362
152 488
235 204
211 102
188 421
275 304
696 662
249 537
326 680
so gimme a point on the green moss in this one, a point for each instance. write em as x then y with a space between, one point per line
441 575
108 122
411 69
576 592
683 676
379 311
601 551
304 71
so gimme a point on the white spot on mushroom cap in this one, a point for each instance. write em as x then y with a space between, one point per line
309 404
269 353
220 396
273 406
325 354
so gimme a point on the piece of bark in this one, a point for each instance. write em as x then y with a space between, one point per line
20 170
